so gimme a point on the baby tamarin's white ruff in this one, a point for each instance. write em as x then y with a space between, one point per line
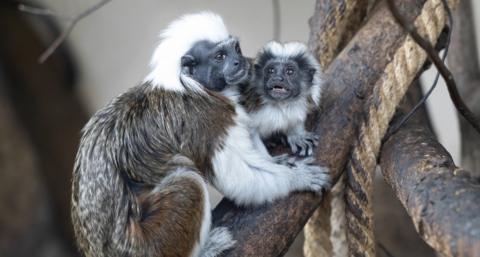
286 116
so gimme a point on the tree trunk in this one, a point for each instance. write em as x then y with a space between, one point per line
463 60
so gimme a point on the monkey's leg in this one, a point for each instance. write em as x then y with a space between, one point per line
175 219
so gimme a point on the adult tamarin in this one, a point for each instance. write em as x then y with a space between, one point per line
285 88
139 181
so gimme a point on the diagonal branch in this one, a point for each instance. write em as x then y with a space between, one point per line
70 26
440 198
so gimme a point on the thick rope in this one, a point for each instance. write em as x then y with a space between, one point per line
388 92
317 231
325 231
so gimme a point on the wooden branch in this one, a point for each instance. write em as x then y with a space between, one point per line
464 65
351 78
333 25
394 230
438 196
441 199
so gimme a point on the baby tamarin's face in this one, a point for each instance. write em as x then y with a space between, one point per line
283 78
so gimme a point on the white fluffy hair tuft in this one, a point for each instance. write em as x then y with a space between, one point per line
291 50
176 40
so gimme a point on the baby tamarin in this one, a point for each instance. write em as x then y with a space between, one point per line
139 181
285 88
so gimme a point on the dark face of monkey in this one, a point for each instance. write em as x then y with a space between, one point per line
284 79
216 65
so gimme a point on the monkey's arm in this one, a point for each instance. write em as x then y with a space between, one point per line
258 143
283 159
248 175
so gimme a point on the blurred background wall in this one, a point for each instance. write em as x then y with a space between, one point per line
113 46
107 53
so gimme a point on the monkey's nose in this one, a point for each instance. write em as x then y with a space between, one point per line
236 63
278 78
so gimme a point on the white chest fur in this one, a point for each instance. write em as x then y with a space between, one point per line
279 117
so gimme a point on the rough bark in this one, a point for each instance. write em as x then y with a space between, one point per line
463 60
352 78
440 197
331 27
400 236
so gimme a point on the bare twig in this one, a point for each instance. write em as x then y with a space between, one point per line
42 12
434 57
71 24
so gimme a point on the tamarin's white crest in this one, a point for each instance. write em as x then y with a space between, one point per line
176 40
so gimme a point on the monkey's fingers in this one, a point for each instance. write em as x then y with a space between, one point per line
319 178
285 159
303 149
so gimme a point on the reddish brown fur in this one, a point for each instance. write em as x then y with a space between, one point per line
175 211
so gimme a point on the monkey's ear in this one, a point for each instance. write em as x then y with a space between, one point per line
187 60
311 73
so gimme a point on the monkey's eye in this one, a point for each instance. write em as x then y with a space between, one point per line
237 48
271 70
289 71
220 56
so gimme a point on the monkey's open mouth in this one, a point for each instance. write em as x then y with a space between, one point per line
279 89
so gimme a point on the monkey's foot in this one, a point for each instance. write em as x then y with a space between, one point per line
317 177
303 144
219 240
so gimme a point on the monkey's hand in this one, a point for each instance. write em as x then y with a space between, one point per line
219 240
285 159
315 177
302 144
